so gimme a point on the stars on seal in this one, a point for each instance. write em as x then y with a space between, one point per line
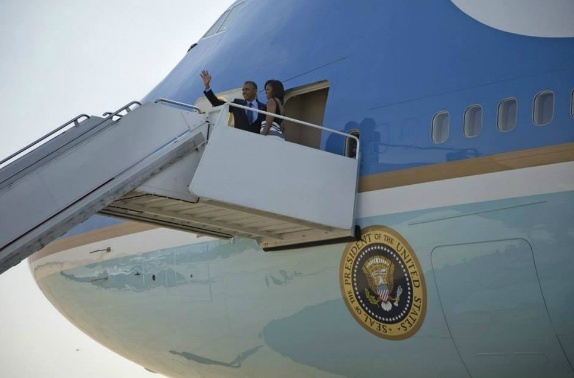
362 256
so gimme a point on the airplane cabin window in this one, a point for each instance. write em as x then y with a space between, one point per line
473 121
440 126
224 21
351 144
543 110
507 114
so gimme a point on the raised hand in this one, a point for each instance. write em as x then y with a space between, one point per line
206 77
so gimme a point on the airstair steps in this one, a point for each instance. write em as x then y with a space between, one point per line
71 133
169 164
53 194
312 194
219 219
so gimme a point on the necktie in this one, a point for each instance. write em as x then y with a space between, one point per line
250 114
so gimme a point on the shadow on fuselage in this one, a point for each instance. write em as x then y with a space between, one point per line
236 363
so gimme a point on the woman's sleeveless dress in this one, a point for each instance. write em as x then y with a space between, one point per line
275 129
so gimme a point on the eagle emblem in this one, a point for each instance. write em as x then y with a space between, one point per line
379 272
382 283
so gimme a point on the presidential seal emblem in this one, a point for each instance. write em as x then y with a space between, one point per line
382 284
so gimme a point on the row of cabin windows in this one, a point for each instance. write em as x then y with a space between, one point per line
542 114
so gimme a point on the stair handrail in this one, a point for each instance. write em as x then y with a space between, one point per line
126 107
76 121
168 101
345 135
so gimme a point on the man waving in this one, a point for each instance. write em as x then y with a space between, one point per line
244 119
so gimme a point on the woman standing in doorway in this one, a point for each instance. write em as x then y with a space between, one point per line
274 92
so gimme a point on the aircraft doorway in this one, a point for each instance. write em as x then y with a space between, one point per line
306 104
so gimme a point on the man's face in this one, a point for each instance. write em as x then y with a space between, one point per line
249 92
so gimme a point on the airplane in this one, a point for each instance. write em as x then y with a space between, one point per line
417 220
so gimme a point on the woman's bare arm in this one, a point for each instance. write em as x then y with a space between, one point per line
271 107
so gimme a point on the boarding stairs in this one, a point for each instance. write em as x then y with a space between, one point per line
170 164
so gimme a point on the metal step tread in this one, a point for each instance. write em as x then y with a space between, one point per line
219 219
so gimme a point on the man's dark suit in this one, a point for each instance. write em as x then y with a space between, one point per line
239 115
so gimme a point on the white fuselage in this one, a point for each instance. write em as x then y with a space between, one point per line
183 305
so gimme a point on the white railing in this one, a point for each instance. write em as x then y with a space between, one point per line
71 123
182 104
307 124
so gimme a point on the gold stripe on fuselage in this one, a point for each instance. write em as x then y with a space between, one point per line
469 167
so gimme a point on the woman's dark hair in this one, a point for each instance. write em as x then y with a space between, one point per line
277 87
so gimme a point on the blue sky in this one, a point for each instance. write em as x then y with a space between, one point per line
61 59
